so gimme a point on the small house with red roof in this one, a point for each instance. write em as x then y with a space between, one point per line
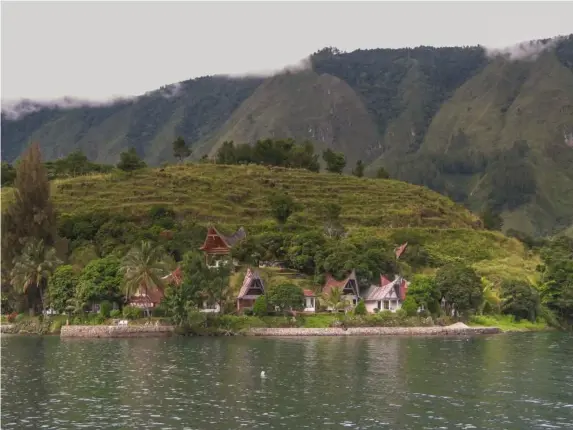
349 287
309 300
251 289
148 298
388 296
217 246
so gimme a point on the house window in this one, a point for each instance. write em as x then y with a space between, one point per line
386 304
379 304
354 302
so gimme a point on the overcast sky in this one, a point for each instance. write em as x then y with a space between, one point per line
99 50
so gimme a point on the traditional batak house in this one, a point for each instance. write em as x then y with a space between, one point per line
217 246
252 288
389 296
148 298
349 286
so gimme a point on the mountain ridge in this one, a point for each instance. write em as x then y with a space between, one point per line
486 129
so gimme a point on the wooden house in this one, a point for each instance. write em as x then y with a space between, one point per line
388 296
148 298
252 288
217 246
349 286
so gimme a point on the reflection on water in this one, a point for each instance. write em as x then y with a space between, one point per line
522 381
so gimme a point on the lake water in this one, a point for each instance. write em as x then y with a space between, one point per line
509 381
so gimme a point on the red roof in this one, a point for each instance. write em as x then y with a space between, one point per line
403 289
155 295
217 243
309 293
332 283
384 280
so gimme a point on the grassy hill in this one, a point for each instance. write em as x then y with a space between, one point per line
238 194
485 131
231 196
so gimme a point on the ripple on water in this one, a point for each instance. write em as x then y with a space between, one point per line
498 382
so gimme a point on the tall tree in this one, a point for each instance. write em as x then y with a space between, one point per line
130 161
335 161
381 173
180 149
31 215
144 266
32 269
359 169
461 287
282 206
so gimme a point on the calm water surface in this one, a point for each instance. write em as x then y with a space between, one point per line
517 381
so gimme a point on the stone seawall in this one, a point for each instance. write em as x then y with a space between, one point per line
7 328
373 331
115 331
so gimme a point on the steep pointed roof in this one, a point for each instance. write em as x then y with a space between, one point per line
383 291
224 241
384 280
332 283
251 280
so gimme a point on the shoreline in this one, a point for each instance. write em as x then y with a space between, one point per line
77 331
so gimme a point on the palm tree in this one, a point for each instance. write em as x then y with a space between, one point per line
491 300
335 300
33 267
144 266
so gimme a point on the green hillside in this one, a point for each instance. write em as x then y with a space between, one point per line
100 208
305 105
487 132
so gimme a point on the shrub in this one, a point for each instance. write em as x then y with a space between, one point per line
360 308
132 312
158 312
260 307
115 313
12 317
376 310
248 311
410 306
105 309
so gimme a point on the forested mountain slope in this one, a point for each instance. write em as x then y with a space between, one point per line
485 130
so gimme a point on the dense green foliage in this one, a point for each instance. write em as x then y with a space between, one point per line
520 300
282 153
286 297
360 308
460 287
335 161
557 276
261 306
62 286
130 161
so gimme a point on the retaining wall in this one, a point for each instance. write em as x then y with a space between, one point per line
7 328
115 331
369 331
